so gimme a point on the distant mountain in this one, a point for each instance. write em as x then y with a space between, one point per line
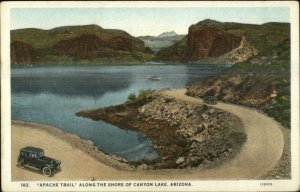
212 41
167 34
88 43
163 40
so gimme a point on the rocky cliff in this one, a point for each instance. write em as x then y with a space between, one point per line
209 42
241 53
213 41
90 46
85 46
21 53
261 82
76 43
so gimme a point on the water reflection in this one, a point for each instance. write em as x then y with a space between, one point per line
54 94
86 84
197 73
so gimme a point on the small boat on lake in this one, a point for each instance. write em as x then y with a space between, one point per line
154 77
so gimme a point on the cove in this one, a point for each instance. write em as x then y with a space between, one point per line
52 94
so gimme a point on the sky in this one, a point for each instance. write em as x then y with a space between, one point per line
143 21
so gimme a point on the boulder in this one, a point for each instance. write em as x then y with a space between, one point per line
204 116
179 160
199 130
204 125
211 111
199 139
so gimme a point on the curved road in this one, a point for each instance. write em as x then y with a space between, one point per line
261 151
264 144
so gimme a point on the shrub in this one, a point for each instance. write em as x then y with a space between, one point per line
142 98
132 97
144 93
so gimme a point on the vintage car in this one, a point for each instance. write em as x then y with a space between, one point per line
34 157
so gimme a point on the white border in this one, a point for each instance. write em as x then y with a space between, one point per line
237 185
142 4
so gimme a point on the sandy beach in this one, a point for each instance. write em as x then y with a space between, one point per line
81 160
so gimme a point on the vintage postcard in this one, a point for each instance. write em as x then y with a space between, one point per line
150 96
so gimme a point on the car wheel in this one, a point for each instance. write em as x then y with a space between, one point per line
21 163
47 171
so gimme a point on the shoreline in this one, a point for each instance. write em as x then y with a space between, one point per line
62 63
185 135
227 170
84 145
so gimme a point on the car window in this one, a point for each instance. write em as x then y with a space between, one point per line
25 154
33 155
41 154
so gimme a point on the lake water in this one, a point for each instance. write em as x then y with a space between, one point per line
53 94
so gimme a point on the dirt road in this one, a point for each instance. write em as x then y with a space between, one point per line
264 144
261 151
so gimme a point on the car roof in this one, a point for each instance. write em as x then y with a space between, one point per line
32 149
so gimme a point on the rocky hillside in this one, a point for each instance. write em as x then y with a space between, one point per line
76 43
21 52
185 135
262 82
217 42
163 40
